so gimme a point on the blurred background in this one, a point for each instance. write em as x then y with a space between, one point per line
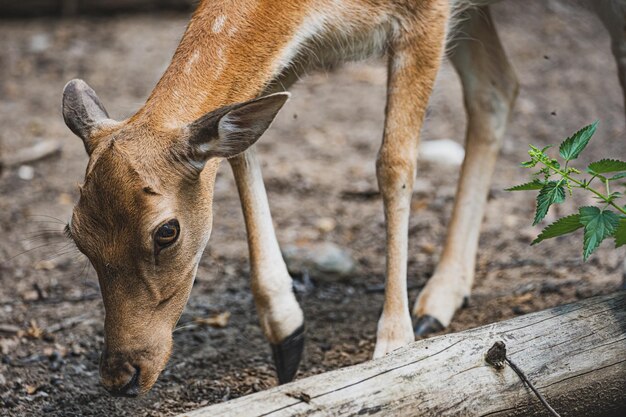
318 161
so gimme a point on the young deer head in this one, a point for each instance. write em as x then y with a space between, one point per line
144 218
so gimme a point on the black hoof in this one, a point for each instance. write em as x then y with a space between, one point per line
287 355
427 325
466 302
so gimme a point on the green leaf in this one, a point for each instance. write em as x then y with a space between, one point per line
574 145
620 233
560 227
606 165
618 176
551 193
599 224
533 185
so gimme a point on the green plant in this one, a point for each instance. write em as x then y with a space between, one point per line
555 181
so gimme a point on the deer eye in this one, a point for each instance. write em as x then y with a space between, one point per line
166 234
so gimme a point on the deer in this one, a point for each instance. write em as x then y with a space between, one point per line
144 214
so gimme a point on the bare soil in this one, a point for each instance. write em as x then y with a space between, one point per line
316 157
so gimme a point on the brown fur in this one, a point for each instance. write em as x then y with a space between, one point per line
140 172
161 163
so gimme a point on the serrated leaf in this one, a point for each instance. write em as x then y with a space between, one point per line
620 233
571 147
533 185
599 224
618 176
560 227
551 193
606 165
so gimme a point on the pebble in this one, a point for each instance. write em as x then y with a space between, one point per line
442 152
39 42
326 224
323 260
26 172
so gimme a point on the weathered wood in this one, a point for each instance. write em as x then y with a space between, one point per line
74 7
574 354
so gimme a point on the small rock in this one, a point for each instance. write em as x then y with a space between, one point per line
321 260
26 172
30 295
39 42
550 288
442 152
325 224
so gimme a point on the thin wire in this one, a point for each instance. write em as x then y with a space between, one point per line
531 386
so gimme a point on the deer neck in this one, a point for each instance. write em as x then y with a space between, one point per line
230 52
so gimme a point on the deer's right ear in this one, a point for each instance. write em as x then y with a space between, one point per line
83 112
230 130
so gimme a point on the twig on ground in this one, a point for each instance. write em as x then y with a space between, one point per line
67 323
33 153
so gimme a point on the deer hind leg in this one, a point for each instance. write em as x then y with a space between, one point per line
280 315
613 16
489 87
413 63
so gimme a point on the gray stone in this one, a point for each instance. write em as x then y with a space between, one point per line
323 260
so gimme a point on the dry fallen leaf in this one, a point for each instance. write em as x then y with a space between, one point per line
218 320
45 265
524 298
65 199
31 389
34 331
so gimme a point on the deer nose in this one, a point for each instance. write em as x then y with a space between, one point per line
131 389
121 379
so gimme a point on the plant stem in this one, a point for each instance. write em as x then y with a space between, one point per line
604 198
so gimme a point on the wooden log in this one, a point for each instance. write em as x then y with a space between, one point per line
24 8
575 355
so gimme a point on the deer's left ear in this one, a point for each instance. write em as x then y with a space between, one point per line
230 130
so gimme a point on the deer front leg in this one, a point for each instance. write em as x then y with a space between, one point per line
413 63
280 315
490 88
613 16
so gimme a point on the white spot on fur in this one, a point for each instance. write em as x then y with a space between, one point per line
218 23
192 61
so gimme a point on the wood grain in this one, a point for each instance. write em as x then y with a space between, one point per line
574 354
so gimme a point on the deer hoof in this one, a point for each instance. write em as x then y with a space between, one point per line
287 355
427 325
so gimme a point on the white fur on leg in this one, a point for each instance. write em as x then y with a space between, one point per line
278 310
277 307
443 295
394 331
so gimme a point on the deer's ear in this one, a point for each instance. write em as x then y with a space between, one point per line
230 130
83 112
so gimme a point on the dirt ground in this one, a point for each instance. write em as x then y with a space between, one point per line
317 156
